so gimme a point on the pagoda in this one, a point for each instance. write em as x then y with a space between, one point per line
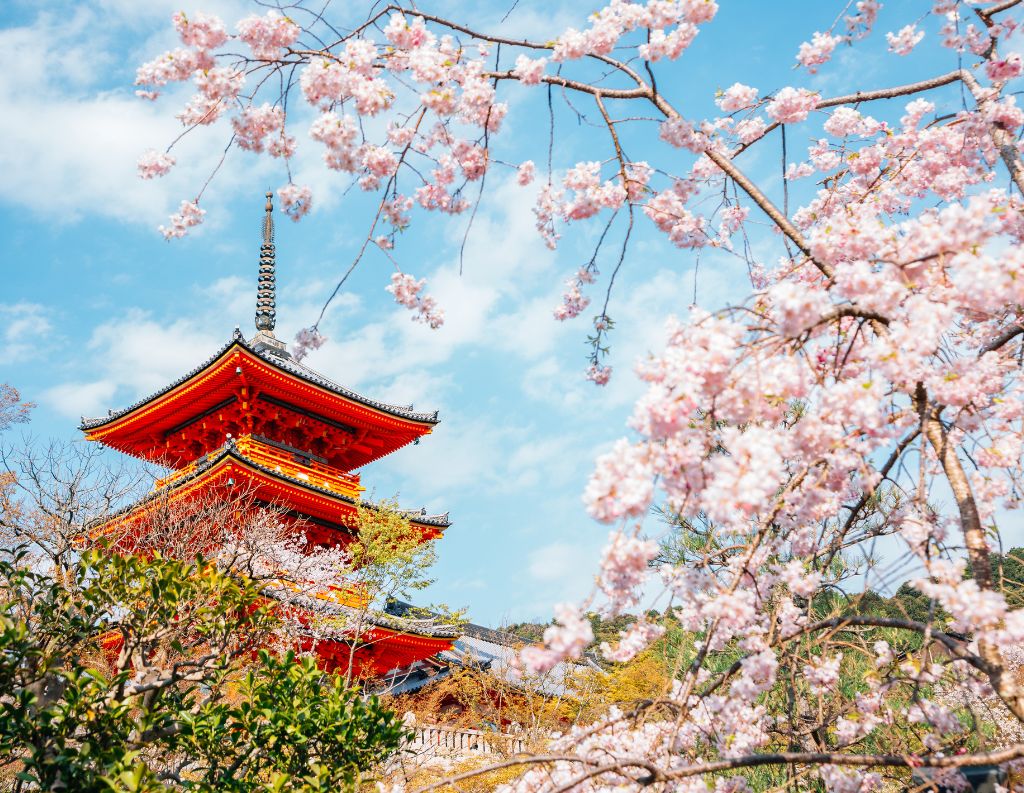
252 415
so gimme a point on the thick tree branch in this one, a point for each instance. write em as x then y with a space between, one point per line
856 760
1007 335
1005 142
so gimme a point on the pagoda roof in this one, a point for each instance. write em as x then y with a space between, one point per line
357 429
287 364
231 452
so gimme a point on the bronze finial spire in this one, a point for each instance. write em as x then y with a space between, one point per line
266 313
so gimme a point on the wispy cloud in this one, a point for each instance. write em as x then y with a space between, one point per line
24 329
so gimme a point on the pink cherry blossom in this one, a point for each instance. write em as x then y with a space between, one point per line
864 20
904 41
223 82
295 200
173 66
406 291
307 340
599 374
681 133
525 173
817 51
202 111
154 163
624 567
637 638
1005 68
266 35
669 213
844 121
792 105
798 170
256 123
202 31
750 129
529 71
736 97
404 35
188 215
622 484
822 673
668 45
564 640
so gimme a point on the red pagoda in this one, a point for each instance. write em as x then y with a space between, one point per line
253 415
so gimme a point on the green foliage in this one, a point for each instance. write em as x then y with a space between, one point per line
292 726
390 556
1008 575
144 675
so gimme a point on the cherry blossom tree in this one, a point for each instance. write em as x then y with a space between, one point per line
12 409
868 390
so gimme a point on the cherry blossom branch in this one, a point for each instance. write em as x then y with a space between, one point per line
1007 335
577 85
512 763
618 65
894 92
369 235
768 207
1006 5
857 760
1004 142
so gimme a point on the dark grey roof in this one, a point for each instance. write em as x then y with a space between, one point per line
400 609
286 364
419 627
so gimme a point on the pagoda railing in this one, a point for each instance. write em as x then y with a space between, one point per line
306 470
280 461
435 739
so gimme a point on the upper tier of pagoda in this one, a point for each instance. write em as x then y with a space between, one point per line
256 388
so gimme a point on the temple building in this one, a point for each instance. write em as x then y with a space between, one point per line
253 416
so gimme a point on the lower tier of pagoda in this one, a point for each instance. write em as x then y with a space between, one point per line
321 502
348 633
379 651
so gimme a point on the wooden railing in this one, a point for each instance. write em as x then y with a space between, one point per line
324 476
434 739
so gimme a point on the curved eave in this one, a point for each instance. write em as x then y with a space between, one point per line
230 452
102 425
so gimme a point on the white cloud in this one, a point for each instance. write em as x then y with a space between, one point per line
68 148
461 453
81 399
135 354
553 562
143 355
23 327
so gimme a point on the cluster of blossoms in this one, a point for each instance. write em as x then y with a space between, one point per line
406 290
295 200
189 214
307 340
672 28
817 51
574 301
154 163
905 39
915 303
566 638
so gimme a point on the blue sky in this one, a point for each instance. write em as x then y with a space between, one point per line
98 310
